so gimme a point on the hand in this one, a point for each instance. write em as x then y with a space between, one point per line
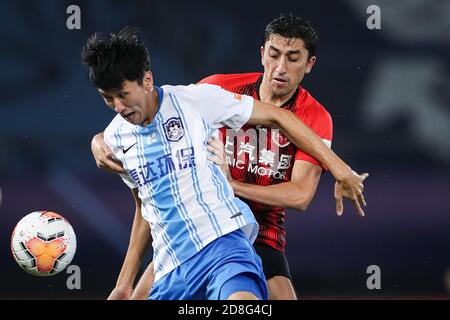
216 147
104 157
121 293
351 187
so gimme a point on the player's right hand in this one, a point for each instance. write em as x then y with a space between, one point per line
121 293
103 155
218 156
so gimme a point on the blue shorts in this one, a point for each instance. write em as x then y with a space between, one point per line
228 264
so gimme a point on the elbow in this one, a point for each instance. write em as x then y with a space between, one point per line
302 204
97 140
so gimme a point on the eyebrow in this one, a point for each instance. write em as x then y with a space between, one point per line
113 92
289 52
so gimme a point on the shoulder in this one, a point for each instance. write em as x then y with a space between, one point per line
230 81
310 109
189 92
115 124
115 127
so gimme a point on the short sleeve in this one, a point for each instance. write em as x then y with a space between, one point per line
110 141
220 107
322 125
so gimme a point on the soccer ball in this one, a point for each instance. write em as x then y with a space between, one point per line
43 243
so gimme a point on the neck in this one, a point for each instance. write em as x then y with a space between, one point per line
268 96
152 107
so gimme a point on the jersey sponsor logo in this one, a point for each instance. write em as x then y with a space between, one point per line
260 170
279 139
263 171
173 129
127 149
285 162
160 167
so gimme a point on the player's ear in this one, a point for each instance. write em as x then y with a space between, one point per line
310 64
148 80
262 55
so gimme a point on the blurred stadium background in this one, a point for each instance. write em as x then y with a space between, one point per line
387 90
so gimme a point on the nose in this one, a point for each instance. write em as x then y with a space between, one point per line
118 105
281 66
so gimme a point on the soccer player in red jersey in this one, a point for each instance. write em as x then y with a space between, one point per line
267 185
271 174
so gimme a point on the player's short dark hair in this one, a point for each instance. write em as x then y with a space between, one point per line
290 26
115 58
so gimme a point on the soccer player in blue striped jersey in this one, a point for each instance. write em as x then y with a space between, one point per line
201 233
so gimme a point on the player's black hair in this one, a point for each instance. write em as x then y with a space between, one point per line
113 59
290 26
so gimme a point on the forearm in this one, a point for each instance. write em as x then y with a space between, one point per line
139 242
308 141
284 195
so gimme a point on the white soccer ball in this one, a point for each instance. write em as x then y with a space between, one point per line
43 243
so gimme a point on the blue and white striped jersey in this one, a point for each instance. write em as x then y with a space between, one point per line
185 197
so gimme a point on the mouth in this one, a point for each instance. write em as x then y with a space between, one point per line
279 80
129 116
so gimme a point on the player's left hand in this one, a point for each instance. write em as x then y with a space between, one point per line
218 156
351 187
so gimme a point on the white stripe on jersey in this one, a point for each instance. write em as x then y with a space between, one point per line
327 142
185 197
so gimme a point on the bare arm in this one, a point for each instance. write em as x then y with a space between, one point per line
300 134
349 184
140 240
144 286
295 194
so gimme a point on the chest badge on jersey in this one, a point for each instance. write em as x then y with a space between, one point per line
174 130
279 139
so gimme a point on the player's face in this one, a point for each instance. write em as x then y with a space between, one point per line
285 62
132 101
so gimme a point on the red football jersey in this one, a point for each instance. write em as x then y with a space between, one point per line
269 160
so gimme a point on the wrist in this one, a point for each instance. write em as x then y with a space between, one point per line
124 286
233 183
126 277
341 171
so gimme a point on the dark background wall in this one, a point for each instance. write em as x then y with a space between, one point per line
387 90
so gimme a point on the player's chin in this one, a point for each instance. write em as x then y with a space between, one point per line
280 85
281 90
135 119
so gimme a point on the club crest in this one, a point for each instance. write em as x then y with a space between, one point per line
279 139
173 128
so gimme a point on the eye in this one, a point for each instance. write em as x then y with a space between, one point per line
294 57
122 95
